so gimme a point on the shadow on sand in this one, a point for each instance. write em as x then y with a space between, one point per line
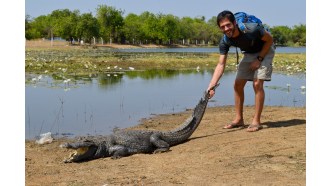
288 123
271 124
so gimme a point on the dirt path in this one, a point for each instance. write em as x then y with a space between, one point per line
275 155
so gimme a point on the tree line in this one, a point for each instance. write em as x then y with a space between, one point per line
110 26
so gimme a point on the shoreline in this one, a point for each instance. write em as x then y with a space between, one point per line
144 123
65 44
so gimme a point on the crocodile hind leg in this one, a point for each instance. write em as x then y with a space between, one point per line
162 146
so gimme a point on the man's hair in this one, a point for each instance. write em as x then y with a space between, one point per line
225 14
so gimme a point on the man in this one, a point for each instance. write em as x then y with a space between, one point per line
257 45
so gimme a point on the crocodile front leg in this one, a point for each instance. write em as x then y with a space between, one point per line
118 151
162 146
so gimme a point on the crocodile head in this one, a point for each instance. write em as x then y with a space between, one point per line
83 151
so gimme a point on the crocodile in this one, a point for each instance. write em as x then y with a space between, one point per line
125 142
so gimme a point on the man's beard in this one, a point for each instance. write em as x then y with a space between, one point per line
230 33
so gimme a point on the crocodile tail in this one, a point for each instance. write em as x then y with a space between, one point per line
200 108
185 130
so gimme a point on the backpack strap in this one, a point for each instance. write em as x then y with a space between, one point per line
226 40
237 57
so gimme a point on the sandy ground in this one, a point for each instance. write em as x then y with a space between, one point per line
275 155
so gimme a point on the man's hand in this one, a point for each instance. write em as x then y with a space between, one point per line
255 65
211 90
211 93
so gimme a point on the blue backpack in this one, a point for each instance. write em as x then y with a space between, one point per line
242 17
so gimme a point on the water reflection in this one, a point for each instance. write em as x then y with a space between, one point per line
108 80
96 103
105 79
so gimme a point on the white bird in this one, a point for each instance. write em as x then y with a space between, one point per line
67 81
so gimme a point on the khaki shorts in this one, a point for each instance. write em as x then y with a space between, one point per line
263 73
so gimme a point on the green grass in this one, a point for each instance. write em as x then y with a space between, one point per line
80 61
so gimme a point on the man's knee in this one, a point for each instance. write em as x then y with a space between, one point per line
239 84
258 84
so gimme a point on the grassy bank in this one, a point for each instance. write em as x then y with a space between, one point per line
81 61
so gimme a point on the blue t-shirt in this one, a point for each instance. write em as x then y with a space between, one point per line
249 42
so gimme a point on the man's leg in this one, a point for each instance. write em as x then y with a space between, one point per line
258 86
239 101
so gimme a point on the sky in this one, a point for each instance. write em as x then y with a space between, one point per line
271 12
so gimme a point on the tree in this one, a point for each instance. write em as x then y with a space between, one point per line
87 27
150 27
110 20
132 28
214 32
169 29
298 35
144 28
281 34
28 27
187 31
64 23
39 27
199 29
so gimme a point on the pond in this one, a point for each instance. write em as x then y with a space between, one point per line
95 104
